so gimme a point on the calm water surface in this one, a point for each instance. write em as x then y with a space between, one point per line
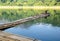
41 31
45 29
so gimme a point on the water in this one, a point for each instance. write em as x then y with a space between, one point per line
42 29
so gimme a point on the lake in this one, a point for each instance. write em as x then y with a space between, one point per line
45 29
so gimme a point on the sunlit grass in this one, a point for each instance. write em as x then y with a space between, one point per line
31 7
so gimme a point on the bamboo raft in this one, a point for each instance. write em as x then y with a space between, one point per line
17 22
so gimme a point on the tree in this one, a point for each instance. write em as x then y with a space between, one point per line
3 1
58 0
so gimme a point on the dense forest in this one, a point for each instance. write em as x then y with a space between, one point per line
30 2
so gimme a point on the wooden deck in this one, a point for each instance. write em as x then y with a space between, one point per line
10 37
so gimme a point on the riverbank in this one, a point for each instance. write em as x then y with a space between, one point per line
31 7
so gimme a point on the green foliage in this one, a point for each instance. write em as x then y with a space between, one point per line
12 15
29 2
3 1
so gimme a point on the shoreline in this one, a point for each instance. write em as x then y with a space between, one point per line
31 7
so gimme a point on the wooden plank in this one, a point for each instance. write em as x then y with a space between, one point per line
10 37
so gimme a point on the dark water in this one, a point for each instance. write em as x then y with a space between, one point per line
41 31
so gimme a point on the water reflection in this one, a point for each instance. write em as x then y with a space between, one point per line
44 29
12 15
45 32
